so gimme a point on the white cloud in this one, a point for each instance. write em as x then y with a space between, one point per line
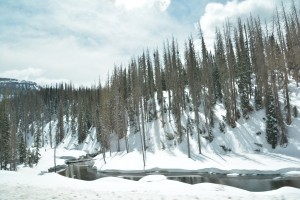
23 74
79 40
33 74
135 4
217 13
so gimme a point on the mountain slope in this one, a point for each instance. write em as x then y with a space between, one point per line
243 149
14 86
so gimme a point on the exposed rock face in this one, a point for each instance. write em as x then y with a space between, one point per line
13 86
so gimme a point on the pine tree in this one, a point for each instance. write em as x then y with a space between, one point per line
5 153
272 131
287 61
192 65
243 69
37 145
13 138
29 158
21 148
257 99
220 59
73 120
217 81
295 34
207 79
178 87
230 101
60 125
81 128
159 84
295 112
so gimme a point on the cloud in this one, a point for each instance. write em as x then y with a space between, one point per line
216 14
23 74
33 74
79 40
135 4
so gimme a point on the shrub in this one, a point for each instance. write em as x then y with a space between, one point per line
225 148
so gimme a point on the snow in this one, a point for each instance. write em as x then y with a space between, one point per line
249 154
292 173
16 185
31 184
249 151
233 174
153 178
47 160
264 163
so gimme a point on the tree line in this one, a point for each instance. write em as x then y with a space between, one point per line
250 63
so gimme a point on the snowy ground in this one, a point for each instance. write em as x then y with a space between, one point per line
28 183
175 161
14 185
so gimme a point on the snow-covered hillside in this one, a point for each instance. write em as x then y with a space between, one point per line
242 149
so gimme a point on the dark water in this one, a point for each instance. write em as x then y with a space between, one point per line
249 182
258 183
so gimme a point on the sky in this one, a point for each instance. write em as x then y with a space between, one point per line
81 41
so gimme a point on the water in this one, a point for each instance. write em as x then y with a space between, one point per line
258 183
249 182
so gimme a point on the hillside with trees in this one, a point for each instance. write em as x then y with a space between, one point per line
180 95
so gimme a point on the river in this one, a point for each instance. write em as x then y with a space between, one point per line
254 183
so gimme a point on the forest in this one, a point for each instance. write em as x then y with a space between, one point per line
251 62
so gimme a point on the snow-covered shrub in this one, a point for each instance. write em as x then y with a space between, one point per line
170 136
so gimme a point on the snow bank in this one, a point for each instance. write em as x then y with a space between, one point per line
292 173
233 175
54 186
176 161
153 178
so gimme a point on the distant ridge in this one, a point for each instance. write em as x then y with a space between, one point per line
15 85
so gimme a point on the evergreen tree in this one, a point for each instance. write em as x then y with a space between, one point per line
220 59
230 101
37 145
272 131
243 69
192 65
257 99
208 92
29 158
60 124
21 148
295 112
217 81
5 153
286 51
81 128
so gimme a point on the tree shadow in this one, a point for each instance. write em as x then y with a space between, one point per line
282 158
247 158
